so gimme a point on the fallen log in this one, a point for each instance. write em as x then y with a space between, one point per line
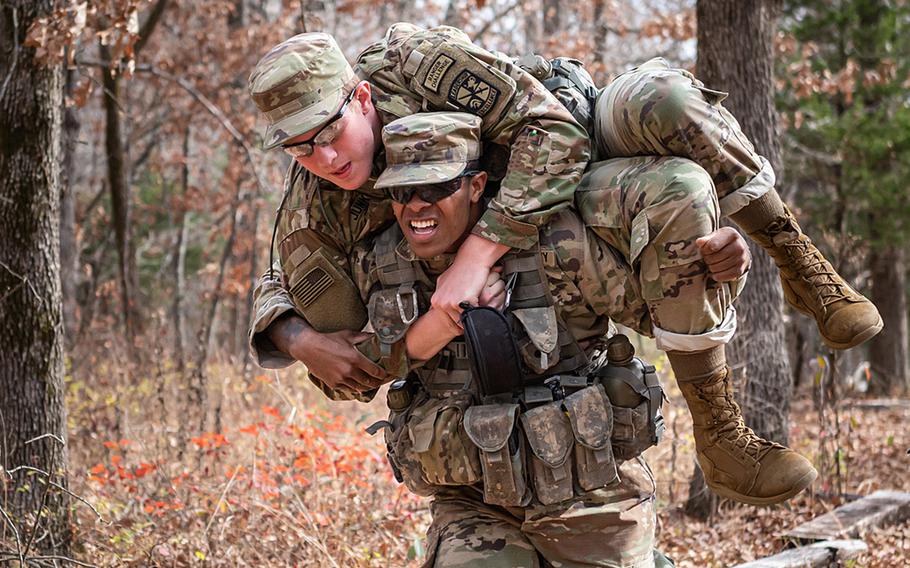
816 555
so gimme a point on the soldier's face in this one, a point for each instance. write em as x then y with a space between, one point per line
348 160
435 228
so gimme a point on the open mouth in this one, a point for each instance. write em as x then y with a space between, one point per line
423 227
343 171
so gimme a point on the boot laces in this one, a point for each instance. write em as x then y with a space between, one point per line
811 267
728 420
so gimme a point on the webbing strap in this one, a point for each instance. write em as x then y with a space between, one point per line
521 263
529 291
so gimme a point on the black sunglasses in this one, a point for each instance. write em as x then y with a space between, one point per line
429 193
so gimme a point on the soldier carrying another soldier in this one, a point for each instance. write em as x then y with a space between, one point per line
330 116
509 474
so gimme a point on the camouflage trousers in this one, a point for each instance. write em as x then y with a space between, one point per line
645 214
657 110
613 526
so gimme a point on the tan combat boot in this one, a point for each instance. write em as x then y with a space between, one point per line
845 317
737 463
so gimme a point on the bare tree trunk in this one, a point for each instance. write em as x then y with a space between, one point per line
118 176
237 17
600 33
394 11
453 15
199 380
735 54
888 350
253 279
120 196
552 18
317 16
532 27
69 248
179 260
32 405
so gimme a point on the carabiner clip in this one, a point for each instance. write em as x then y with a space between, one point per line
407 289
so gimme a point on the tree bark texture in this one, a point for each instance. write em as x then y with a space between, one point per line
735 54
888 350
31 316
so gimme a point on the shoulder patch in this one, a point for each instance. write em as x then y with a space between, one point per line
436 71
473 94
452 76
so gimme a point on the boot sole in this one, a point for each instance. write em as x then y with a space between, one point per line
804 482
857 339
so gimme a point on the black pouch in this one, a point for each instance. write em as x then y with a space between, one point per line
491 350
549 436
591 416
492 428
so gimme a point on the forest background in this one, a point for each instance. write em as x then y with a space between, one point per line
156 440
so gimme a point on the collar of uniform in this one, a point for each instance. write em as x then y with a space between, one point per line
378 162
436 265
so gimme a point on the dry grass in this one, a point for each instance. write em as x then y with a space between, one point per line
292 480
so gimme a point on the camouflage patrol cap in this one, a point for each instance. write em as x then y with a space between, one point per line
299 85
429 147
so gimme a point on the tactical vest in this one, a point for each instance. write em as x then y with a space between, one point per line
532 447
544 342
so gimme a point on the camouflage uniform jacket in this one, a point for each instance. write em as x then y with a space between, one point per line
556 322
531 142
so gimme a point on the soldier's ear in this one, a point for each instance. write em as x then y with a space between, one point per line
363 95
478 183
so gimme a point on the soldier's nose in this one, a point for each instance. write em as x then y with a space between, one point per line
325 156
417 204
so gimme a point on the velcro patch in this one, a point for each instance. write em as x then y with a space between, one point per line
472 94
311 286
436 71
359 207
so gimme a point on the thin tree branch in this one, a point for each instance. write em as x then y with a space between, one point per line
48 557
496 17
58 486
12 525
48 435
211 107
149 26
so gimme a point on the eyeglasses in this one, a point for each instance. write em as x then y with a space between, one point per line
429 193
326 135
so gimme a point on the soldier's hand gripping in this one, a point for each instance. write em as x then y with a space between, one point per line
726 253
331 357
466 278
493 294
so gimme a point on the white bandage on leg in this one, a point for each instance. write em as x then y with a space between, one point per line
669 341
759 185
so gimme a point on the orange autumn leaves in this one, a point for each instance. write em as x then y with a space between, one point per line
259 460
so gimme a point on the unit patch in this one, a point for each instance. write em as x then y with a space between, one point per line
436 71
471 93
